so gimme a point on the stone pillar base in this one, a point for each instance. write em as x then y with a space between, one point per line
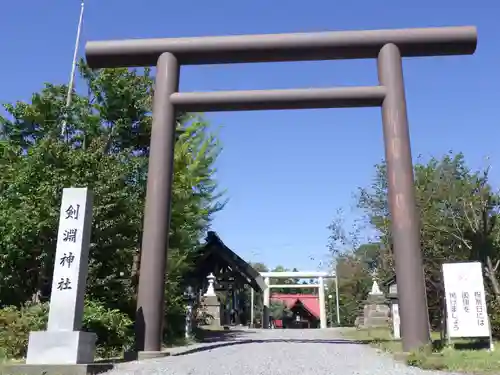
213 309
61 348
83 369
376 312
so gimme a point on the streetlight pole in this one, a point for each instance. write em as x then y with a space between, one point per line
331 309
73 65
252 297
337 296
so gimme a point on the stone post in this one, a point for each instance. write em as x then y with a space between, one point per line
265 307
63 343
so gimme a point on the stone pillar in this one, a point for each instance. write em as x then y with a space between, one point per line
64 343
266 303
322 307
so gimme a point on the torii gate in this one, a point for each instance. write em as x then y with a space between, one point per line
387 46
319 276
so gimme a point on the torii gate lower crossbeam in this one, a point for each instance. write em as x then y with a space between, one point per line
387 46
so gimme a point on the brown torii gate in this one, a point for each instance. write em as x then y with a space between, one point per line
387 46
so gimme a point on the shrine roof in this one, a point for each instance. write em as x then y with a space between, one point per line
309 301
389 281
214 247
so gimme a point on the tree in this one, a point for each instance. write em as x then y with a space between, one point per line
458 212
279 310
259 267
284 281
105 148
354 285
353 264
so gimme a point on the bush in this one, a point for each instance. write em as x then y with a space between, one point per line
279 310
494 314
15 326
113 328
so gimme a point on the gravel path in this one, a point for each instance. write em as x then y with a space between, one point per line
273 352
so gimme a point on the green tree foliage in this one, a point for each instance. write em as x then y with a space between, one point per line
354 284
279 310
283 281
259 267
291 281
458 210
105 148
353 262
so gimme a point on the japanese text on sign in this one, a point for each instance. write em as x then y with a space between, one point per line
453 308
73 212
69 236
67 259
64 284
465 300
479 309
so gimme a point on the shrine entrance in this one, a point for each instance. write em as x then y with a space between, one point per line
387 46
320 286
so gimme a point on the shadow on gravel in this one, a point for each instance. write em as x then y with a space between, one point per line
251 341
208 336
112 360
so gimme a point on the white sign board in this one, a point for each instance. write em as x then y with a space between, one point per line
465 300
393 289
71 261
396 321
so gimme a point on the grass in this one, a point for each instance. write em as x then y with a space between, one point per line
469 356
5 360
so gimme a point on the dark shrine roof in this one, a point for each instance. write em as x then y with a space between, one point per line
389 281
215 248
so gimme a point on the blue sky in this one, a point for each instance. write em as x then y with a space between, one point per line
287 172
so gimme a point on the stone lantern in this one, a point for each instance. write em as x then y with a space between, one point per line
212 303
375 310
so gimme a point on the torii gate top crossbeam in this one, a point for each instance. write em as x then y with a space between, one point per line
438 41
297 274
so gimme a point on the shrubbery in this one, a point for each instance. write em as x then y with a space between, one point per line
15 326
113 328
494 315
